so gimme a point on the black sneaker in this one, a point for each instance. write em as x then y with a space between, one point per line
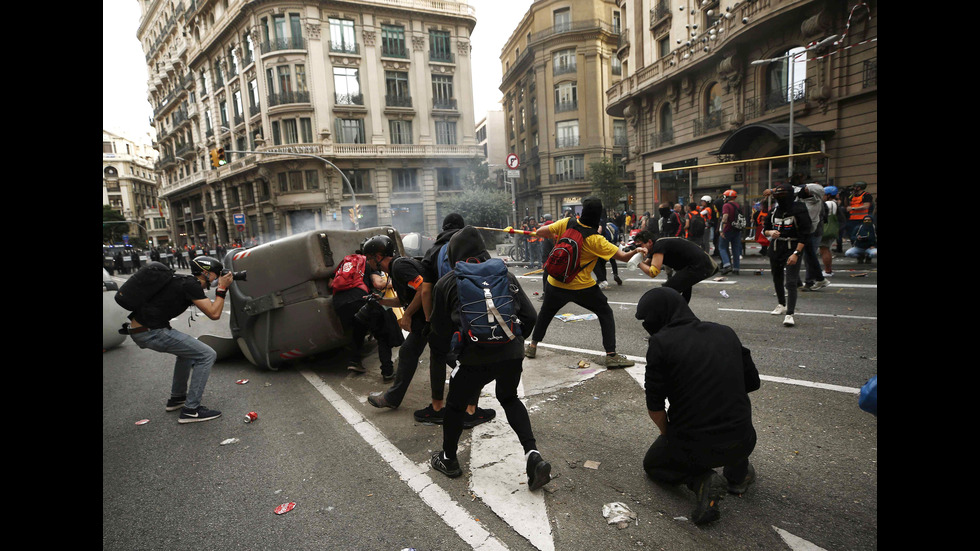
200 413
617 279
479 417
447 467
387 376
176 402
429 415
538 471
743 486
356 366
711 489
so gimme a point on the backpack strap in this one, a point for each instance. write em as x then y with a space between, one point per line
492 310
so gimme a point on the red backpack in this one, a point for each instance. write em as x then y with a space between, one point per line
350 274
564 261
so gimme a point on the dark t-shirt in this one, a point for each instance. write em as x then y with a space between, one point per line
679 253
407 275
170 302
732 209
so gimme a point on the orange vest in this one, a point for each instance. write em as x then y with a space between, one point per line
857 211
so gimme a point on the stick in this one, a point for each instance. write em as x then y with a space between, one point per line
506 230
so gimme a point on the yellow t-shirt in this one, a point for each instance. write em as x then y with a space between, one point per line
595 246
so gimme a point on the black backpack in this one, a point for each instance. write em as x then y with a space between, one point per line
145 283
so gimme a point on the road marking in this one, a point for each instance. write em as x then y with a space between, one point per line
454 515
844 316
638 372
797 543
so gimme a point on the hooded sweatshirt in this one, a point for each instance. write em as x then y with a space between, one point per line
467 246
450 225
700 367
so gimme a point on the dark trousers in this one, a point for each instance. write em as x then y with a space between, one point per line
590 298
408 362
467 381
683 280
600 269
785 278
674 462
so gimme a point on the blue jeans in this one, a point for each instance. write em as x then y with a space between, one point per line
194 360
735 238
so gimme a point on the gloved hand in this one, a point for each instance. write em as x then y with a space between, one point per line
509 229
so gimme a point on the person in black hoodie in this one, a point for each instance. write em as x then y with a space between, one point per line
477 365
705 373
787 228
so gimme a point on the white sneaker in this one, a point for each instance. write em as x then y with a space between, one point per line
820 284
604 285
780 310
788 321
826 274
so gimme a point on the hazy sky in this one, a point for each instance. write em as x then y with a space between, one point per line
125 108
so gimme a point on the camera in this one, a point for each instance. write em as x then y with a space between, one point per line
236 276
371 315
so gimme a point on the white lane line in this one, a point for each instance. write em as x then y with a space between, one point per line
843 316
638 372
454 515
797 543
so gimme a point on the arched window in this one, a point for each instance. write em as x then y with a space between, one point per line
110 172
712 106
666 127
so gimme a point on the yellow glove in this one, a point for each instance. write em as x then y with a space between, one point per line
509 229
654 271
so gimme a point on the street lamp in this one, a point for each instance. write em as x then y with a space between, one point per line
791 57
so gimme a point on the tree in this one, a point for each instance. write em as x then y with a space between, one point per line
604 175
481 202
112 232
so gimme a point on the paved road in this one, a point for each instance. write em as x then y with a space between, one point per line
360 478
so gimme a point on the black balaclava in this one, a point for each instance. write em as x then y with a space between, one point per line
467 244
591 211
452 222
785 197
663 307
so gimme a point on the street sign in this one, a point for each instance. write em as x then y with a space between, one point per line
513 161
239 219
513 173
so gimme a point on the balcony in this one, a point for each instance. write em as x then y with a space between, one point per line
448 104
566 106
572 27
442 57
567 141
348 99
344 48
284 98
398 101
391 50
565 69
291 43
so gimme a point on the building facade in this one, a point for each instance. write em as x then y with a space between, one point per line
557 65
130 186
491 137
715 85
379 88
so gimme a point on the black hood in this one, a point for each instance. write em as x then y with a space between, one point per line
663 307
453 221
467 244
591 212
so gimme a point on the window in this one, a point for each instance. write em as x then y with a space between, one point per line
312 179
566 97
663 46
393 41
617 22
219 79
403 180
713 102
249 48
442 92
107 147
666 127
781 84
253 96
295 180
396 89
342 36
617 66
447 179
224 112
566 133
276 133
563 20
445 132
347 86
204 82
360 180
350 131
439 46
564 62
239 110
233 63
284 79
401 132
301 78
570 167
619 132
306 130
289 132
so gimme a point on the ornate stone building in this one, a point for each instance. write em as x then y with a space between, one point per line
711 83
557 65
130 186
379 88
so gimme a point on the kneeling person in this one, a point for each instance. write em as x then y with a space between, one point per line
479 362
705 373
689 262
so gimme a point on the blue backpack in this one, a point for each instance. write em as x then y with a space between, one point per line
442 261
487 306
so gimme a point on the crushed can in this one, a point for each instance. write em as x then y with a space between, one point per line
251 416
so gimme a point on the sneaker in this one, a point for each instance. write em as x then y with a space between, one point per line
356 367
618 360
429 415
711 490
176 402
538 471
725 270
387 375
741 487
200 413
530 351
807 287
447 467
817 285
779 311
604 285
618 280
828 274
378 400
479 417
788 321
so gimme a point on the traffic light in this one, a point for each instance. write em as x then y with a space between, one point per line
357 212
218 157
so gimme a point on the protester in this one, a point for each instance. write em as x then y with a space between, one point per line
689 262
787 228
